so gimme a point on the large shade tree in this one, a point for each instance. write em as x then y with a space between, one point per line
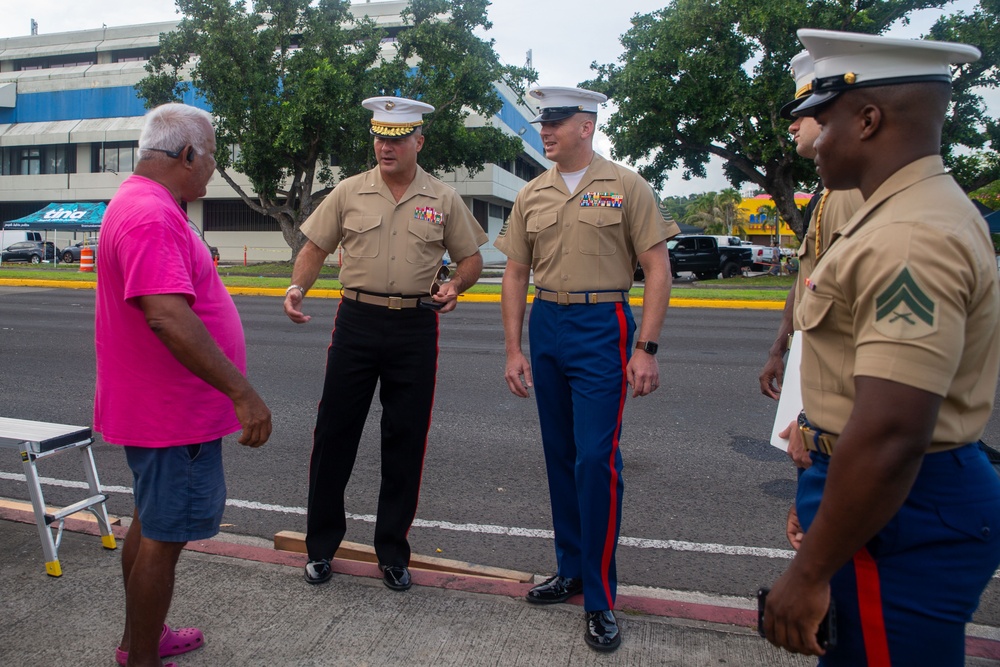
285 80
704 78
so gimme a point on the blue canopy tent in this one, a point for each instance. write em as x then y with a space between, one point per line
59 218
993 220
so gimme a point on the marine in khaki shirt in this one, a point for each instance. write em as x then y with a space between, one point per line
896 520
395 223
582 226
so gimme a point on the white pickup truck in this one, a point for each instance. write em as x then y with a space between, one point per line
764 257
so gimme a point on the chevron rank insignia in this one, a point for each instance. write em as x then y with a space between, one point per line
903 310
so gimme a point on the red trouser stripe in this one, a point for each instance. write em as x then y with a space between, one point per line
612 535
870 608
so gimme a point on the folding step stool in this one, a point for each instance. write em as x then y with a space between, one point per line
37 440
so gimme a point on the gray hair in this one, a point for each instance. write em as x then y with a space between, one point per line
173 126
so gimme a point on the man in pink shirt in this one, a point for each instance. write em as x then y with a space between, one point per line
171 364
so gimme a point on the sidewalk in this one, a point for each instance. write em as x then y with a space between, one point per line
255 609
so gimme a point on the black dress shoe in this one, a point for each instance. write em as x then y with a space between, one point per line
602 632
555 589
396 577
318 571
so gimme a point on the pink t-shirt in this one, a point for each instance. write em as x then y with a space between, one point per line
145 397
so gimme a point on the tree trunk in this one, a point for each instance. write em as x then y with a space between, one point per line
782 191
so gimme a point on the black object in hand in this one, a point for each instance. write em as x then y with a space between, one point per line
826 635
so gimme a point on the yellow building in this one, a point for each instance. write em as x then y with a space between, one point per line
760 212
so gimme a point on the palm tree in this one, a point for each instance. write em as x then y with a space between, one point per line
768 215
718 213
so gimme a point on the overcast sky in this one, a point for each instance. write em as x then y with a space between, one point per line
563 44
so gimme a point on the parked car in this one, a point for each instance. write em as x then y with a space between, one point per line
706 258
29 251
71 253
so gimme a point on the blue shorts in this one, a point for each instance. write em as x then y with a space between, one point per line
180 492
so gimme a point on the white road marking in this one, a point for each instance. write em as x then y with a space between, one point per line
484 529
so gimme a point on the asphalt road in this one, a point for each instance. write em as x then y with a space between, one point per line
705 494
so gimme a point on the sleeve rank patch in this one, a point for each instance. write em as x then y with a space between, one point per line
903 310
503 228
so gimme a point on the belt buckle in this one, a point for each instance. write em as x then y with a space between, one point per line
395 303
592 297
562 298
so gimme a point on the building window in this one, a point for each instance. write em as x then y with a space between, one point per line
233 215
133 55
113 156
29 161
481 212
525 170
60 159
51 62
522 168
35 160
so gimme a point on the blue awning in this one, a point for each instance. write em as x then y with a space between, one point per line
62 217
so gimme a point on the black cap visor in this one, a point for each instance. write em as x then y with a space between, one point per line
788 108
810 105
557 113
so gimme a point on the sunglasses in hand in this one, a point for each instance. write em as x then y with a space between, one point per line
428 301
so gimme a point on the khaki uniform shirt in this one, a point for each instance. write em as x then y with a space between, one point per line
389 247
827 217
588 240
908 293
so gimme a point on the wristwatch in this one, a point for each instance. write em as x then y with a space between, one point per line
647 346
298 287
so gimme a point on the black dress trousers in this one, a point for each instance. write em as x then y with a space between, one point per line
398 349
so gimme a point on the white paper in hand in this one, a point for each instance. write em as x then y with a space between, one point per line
790 402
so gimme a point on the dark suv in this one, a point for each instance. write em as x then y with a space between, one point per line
71 253
29 251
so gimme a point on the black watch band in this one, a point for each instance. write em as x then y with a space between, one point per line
647 346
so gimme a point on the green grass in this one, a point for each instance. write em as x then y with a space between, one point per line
277 275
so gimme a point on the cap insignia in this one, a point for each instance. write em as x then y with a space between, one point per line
389 106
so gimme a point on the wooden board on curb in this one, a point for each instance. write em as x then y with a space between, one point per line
79 516
288 540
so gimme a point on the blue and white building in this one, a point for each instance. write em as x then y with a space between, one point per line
70 121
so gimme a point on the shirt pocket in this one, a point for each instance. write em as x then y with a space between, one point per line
824 358
600 230
425 244
361 235
543 234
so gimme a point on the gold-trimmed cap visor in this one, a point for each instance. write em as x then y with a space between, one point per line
393 130
803 71
394 117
